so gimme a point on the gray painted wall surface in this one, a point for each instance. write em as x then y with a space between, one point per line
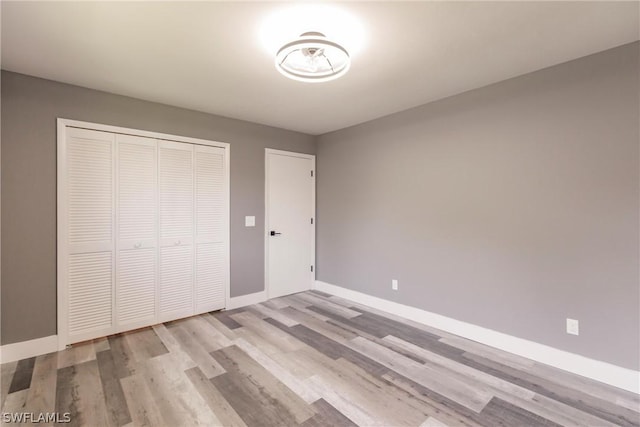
511 207
30 107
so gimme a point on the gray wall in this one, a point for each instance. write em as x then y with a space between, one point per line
30 107
511 207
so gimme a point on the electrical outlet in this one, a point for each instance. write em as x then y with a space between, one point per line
573 327
394 284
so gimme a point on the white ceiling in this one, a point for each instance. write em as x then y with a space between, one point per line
208 56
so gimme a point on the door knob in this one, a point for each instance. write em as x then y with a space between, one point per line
273 233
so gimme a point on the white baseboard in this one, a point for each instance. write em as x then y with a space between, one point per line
31 348
626 379
244 300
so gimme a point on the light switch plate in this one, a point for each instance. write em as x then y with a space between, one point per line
249 221
573 327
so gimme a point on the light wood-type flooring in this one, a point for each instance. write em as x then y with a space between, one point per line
308 359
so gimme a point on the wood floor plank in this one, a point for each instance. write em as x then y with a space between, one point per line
142 407
437 405
6 376
79 393
432 422
196 352
462 371
388 404
280 340
331 348
584 402
233 359
16 403
277 303
116 404
328 306
327 415
434 379
225 318
312 338
256 408
207 332
181 358
101 344
77 353
594 388
320 293
403 320
351 411
221 327
258 341
499 412
197 334
273 314
221 408
292 362
557 412
41 397
144 344
175 395
473 347
312 313
124 361
22 376
330 331
282 374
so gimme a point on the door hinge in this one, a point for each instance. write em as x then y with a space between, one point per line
311 220
312 268
312 174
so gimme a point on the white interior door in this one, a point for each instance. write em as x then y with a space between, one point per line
175 176
290 228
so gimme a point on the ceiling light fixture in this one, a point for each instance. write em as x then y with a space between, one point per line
312 58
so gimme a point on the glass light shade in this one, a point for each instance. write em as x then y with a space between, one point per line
312 58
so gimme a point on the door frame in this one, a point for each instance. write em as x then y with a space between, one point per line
62 205
312 261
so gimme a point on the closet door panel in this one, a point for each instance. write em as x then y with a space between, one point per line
176 192
89 233
90 295
136 275
211 228
176 284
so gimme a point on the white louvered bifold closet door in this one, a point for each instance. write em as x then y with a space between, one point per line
143 230
176 187
89 233
211 224
137 241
